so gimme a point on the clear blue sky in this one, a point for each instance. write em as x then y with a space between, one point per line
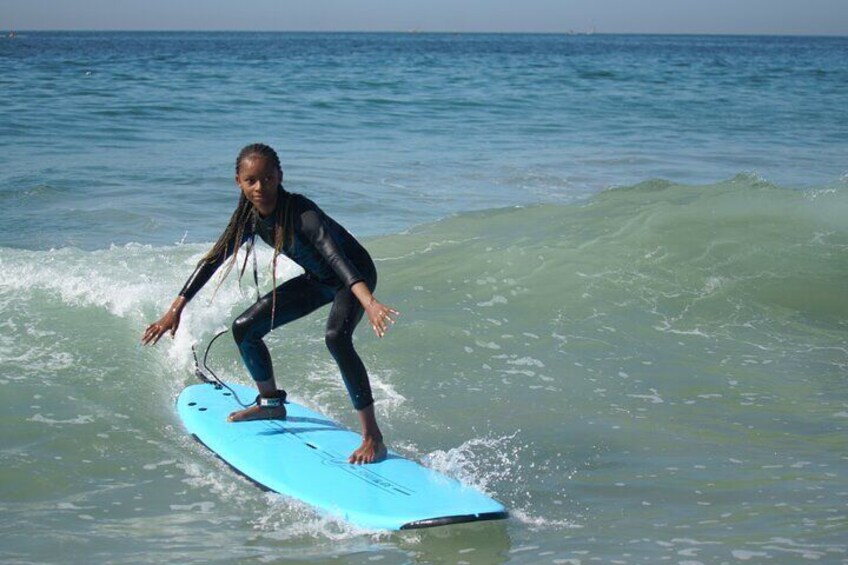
815 17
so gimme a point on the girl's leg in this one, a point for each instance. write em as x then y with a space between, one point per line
294 299
344 316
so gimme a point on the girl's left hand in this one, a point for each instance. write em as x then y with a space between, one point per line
381 317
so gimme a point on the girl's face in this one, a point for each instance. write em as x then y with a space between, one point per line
258 179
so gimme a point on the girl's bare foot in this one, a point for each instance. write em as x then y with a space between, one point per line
258 413
372 450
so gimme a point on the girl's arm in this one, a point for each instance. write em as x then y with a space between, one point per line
170 321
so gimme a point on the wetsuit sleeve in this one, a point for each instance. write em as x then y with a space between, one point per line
200 277
205 270
318 234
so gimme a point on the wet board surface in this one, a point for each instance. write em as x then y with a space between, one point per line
305 457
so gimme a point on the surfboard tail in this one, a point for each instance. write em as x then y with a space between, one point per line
461 519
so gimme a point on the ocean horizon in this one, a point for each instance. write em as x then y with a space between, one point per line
565 32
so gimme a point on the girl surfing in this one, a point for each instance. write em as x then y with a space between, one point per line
338 271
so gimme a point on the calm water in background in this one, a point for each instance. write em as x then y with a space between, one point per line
621 262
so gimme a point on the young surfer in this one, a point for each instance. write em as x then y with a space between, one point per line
338 271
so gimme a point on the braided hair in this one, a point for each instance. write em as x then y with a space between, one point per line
245 217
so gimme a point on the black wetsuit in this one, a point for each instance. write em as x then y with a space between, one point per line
334 261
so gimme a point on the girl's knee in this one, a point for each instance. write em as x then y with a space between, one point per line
240 328
337 340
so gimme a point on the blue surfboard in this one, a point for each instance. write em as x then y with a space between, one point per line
305 457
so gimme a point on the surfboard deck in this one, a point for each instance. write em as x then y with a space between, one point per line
306 455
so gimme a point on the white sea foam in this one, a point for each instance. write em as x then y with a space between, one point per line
119 279
480 462
497 466
653 398
525 361
78 420
496 299
542 523
747 555
386 396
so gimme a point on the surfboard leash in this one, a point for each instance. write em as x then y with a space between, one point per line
200 373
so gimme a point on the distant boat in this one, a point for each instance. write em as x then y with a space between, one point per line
590 31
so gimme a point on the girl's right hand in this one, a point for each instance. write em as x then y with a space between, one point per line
169 322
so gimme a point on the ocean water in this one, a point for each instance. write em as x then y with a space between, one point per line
621 262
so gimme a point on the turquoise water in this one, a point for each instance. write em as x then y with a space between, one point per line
621 263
